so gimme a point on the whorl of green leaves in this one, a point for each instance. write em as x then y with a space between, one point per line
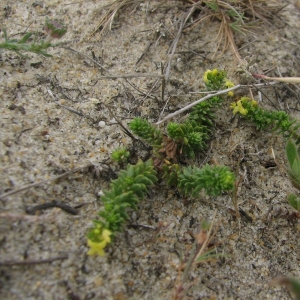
214 179
189 135
202 113
215 79
125 192
120 155
146 131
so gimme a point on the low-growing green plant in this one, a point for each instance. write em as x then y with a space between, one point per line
131 186
281 122
190 136
146 131
277 121
29 43
120 155
183 139
125 192
213 179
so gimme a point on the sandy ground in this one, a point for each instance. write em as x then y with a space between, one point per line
50 111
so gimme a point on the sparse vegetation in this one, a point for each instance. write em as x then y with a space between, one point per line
29 42
171 149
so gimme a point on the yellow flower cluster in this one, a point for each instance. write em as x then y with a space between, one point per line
98 247
229 84
238 107
213 72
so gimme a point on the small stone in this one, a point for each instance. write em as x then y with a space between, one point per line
101 124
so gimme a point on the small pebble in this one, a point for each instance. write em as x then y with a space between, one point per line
101 124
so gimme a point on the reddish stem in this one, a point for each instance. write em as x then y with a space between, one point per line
258 75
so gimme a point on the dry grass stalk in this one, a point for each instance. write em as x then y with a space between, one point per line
279 79
200 253
232 17
108 18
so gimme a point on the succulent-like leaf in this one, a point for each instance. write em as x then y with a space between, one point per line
294 201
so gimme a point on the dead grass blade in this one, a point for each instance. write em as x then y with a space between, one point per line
108 18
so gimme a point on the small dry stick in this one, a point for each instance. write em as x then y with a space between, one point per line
136 75
93 60
195 103
280 79
32 262
29 186
189 106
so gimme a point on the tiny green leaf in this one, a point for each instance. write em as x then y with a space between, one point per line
294 201
291 152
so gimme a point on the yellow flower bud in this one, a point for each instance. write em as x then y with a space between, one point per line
254 103
205 75
214 72
98 247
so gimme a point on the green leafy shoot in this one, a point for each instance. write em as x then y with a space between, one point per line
146 131
277 121
213 179
294 172
294 163
125 192
26 44
120 155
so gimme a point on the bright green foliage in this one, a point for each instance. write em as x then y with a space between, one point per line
125 192
278 121
55 30
202 113
294 201
214 79
146 131
214 179
120 155
23 45
189 136
294 172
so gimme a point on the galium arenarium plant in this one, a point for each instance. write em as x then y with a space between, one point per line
181 140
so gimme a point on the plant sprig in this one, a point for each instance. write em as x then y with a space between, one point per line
294 172
278 121
125 192
54 29
183 139
214 179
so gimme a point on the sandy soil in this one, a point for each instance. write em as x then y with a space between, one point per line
50 112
